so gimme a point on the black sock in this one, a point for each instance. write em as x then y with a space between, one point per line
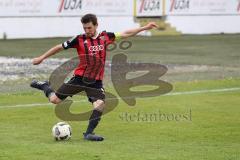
93 121
47 90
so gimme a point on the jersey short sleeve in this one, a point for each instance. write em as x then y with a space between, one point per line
111 36
71 43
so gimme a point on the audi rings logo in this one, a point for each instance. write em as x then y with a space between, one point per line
96 48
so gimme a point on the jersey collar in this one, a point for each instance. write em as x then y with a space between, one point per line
95 37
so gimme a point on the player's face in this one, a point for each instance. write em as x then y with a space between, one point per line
90 29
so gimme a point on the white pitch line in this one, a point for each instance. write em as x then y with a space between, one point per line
169 94
27 105
203 91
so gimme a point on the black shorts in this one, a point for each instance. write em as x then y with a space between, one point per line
93 88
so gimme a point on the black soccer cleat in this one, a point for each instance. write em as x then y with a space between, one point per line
38 84
92 137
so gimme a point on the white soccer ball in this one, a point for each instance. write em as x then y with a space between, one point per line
61 131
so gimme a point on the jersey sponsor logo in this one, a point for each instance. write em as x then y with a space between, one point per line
179 5
66 5
150 5
96 48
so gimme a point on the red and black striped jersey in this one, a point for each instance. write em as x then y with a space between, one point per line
91 53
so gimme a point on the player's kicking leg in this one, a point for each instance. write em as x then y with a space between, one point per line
45 87
98 104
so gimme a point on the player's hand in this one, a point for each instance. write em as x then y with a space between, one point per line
151 25
37 60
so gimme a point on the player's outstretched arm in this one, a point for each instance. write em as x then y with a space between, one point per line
133 32
47 54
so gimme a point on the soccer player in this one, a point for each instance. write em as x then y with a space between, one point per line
91 48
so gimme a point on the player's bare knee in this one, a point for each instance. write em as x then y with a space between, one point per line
54 99
99 105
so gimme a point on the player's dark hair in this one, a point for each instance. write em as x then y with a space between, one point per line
89 18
